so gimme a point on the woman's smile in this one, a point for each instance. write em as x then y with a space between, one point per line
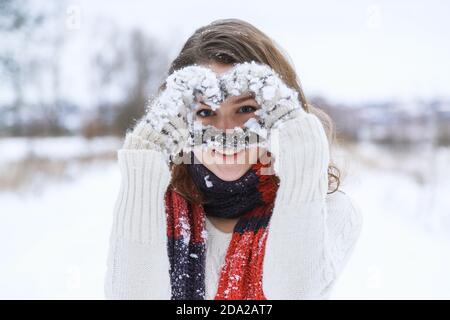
227 154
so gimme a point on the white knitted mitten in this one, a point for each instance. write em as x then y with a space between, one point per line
296 139
165 124
169 138
277 100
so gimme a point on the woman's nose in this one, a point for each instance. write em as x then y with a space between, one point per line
224 123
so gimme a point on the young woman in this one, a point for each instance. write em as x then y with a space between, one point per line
213 221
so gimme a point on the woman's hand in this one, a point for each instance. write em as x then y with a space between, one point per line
165 124
278 102
170 137
296 139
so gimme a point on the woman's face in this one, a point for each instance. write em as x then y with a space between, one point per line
234 111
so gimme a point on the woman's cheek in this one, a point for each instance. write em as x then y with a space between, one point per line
252 155
201 154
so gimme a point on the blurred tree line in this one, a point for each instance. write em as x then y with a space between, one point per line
125 67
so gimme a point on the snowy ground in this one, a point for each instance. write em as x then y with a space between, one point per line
54 243
404 249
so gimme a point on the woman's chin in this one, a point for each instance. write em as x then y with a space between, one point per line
230 172
230 167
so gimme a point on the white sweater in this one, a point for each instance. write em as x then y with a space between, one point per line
307 247
137 265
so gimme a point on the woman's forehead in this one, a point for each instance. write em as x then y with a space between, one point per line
217 67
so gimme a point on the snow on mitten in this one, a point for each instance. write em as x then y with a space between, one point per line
164 126
296 138
278 102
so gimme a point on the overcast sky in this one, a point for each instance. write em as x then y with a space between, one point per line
350 51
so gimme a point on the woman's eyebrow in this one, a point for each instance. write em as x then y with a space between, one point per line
204 103
244 98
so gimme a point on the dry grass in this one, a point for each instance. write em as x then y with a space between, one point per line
38 171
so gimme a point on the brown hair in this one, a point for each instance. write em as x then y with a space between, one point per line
229 41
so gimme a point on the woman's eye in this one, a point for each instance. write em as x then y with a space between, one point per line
247 109
204 113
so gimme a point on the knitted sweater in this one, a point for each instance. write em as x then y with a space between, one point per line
320 240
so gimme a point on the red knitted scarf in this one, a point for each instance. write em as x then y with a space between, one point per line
241 274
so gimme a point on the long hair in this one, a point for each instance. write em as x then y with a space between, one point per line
229 41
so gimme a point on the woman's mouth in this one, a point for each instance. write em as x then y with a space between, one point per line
226 154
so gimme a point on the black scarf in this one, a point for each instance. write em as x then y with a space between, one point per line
225 199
